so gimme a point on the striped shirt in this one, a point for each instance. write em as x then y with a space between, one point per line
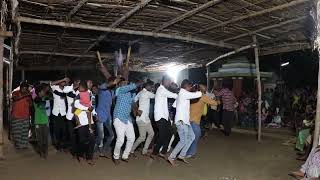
228 99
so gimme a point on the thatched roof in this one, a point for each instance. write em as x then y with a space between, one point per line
68 32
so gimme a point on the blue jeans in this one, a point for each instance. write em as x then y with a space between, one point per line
104 146
186 136
197 132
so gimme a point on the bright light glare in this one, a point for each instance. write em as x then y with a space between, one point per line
285 64
173 70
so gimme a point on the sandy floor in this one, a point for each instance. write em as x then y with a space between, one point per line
238 157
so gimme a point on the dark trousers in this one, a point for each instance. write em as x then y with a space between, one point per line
213 117
70 136
85 142
42 132
227 118
164 136
51 129
59 127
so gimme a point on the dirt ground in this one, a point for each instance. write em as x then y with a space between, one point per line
238 157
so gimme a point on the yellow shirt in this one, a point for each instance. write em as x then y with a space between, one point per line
196 109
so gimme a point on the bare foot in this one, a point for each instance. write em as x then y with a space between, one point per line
172 162
116 161
162 156
125 160
152 156
183 160
133 155
91 162
296 174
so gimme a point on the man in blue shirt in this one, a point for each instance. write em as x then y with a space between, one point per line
123 121
104 119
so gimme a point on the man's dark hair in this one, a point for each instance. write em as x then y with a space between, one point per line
24 84
166 77
185 83
39 88
227 84
83 84
156 86
148 83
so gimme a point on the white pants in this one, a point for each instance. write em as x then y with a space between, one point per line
144 128
123 130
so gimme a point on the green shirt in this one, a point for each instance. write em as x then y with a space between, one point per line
40 113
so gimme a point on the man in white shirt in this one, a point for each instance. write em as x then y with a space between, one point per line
70 123
85 135
59 111
182 121
161 116
143 121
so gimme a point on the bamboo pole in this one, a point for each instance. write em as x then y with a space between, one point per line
1 99
256 55
266 28
128 56
208 77
89 55
115 24
99 58
230 53
254 14
317 120
188 14
127 31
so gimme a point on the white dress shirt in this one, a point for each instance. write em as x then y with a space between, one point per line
144 97
59 105
70 101
161 103
183 105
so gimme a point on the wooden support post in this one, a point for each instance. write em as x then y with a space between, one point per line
231 53
23 75
317 120
256 55
208 77
1 99
186 38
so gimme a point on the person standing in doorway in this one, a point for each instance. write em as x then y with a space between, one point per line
161 116
143 121
228 102
182 121
59 112
21 104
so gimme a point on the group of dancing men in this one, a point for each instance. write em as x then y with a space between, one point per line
84 119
